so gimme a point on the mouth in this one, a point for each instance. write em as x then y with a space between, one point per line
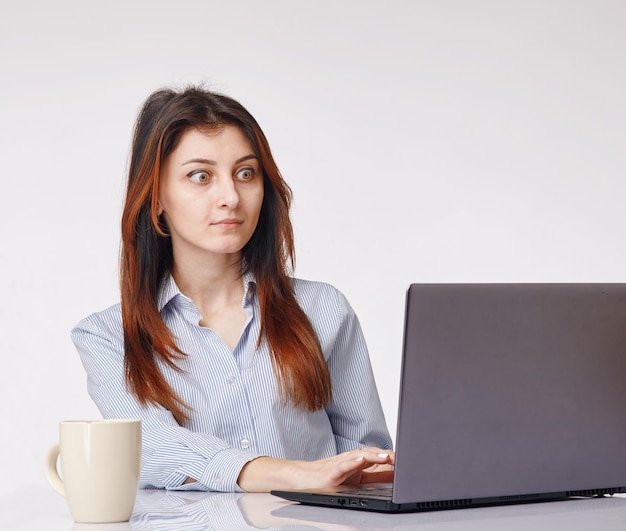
228 223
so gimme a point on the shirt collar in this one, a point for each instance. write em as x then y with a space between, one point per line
169 290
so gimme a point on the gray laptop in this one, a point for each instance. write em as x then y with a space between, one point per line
509 393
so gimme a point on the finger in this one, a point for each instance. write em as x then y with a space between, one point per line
376 455
389 455
349 463
392 457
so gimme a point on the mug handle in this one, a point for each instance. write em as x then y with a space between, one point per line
52 474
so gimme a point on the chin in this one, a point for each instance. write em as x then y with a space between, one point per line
226 249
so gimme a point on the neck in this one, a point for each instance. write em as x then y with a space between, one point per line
210 282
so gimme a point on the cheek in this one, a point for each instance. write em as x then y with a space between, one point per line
181 204
182 215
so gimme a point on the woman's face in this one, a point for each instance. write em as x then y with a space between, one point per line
210 193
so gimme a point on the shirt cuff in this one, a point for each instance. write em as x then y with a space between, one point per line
220 473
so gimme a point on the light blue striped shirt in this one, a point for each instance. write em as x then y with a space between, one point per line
237 413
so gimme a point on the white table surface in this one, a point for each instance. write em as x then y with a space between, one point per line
42 509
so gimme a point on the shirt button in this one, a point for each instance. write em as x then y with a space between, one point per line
230 379
217 481
245 444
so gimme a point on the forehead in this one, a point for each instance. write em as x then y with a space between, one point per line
216 143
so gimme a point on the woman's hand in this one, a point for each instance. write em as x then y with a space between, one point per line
367 465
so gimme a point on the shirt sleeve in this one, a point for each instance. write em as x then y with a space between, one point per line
170 453
355 412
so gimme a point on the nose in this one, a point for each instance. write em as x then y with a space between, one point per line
227 195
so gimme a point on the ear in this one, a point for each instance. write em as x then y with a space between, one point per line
159 210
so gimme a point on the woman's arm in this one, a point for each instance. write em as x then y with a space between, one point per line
266 473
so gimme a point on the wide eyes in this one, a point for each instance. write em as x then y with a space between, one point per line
199 177
245 174
202 176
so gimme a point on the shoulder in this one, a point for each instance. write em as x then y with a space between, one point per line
333 319
320 296
106 324
326 307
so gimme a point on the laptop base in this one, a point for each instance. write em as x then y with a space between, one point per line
347 497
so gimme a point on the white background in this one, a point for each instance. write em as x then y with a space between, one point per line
440 140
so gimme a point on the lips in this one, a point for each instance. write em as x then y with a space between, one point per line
228 223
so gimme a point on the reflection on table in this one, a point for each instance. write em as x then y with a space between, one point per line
161 510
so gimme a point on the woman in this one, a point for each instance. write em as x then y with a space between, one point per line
244 378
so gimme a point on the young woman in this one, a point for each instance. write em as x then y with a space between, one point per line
244 378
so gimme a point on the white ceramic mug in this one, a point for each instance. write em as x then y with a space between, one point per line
100 462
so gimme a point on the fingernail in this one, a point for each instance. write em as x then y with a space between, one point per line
383 455
359 458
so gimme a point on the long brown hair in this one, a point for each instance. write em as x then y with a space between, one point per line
146 257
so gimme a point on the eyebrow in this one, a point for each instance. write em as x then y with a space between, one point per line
214 163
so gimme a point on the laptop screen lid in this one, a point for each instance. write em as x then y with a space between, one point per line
512 392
